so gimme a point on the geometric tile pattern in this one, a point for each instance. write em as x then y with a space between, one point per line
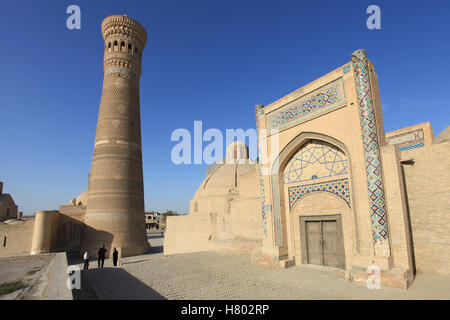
371 147
120 70
336 187
316 159
259 110
308 106
276 212
346 69
411 146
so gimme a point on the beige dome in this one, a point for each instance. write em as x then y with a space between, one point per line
443 136
227 177
82 199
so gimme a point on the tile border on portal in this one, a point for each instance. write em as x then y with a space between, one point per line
307 107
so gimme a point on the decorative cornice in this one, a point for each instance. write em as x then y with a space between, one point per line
117 25
324 99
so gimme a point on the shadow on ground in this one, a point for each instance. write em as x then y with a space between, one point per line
155 240
113 284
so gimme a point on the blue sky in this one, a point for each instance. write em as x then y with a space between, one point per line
202 58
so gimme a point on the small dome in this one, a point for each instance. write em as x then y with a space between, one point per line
82 199
443 136
231 176
227 176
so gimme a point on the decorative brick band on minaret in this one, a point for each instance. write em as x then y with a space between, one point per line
115 210
372 155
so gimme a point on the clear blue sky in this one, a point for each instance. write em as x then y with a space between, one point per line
202 57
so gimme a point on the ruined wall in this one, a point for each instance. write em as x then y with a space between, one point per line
428 189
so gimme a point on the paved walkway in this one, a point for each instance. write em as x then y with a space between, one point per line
210 275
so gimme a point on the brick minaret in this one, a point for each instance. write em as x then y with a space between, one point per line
115 208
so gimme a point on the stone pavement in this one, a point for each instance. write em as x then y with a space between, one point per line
209 275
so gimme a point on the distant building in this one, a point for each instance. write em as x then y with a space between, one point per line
8 208
152 220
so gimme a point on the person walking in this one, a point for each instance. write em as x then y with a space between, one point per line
101 256
86 260
115 257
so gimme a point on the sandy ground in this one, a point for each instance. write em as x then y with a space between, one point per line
32 271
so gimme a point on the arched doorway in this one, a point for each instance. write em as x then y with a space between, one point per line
317 221
315 200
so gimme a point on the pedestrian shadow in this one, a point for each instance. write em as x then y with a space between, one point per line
115 284
154 236
85 292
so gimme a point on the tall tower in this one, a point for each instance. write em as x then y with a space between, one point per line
115 209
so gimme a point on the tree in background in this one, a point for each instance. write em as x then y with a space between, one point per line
166 214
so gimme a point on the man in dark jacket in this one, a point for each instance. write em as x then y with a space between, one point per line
115 257
101 256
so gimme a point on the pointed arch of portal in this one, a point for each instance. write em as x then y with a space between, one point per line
279 206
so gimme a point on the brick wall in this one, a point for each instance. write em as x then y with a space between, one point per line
428 190
18 238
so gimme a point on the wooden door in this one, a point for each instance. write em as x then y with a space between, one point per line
314 240
330 243
322 241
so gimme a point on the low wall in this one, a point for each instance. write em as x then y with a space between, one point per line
57 279
236 247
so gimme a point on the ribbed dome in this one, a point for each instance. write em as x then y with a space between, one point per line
223 177
227 177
